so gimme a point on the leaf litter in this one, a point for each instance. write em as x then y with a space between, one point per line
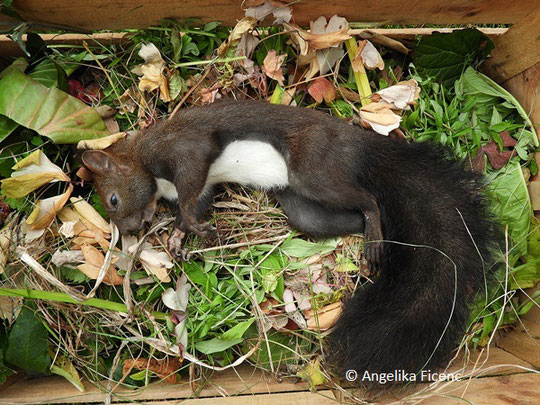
263 295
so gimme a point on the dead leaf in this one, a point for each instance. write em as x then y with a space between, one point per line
244 25
280 11
45 210
322 89
325 318
127 102
85 210
165 369
154 262
101 143
152 72
401 96
380 117
272 66
384 41
30 173
94 260
326 35
368 56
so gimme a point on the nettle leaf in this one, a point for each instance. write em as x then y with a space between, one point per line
27 343
48 111
445 56
511 203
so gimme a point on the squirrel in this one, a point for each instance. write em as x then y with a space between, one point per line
428 231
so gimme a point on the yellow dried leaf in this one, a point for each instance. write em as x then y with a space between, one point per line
325 318
46 210
94 259
30 173
101 143
89 213
152 72
244 25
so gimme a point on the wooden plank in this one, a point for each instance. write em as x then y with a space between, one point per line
10 48
517 50
325 397
523 342
525 87
104 14
534 193
519 389
244 381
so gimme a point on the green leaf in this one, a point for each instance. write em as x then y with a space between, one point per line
445 56
27 343
50 112
47 73
216 345
7 126
302 248
237 331
511 204
65 368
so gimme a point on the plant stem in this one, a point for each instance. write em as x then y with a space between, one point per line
62 297
206 62
360 76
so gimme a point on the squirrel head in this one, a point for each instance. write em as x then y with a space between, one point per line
126 190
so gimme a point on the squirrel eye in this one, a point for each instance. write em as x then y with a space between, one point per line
114 201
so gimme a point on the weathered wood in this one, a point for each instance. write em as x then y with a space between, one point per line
106 14
517 50
244 381
523 342
11 48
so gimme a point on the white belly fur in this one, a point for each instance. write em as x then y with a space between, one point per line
249 163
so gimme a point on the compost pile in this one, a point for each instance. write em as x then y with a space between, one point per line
77 299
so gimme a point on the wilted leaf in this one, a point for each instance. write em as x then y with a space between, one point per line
101 143
280 11
164 369
311 373
85 210
368 56
325 317
30 173
380 117
48 111
322 89
94 260
244 25
154 262
400 95
46 210
272 66
152 72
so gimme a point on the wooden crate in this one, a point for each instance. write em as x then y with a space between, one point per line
506 376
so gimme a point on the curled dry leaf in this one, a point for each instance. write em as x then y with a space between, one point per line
165 369
89 213
325 318
272 66
61 257
30 173
380 117
368 56
384 41
127 102
152 72
245 47
154 262
322 89
101 143
401 96
280 11
244 25
94 260
45 210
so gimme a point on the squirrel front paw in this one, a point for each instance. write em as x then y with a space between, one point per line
174 245
373 250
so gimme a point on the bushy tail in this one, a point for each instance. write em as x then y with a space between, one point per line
438 252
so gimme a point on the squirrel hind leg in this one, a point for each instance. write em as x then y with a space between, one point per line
316 220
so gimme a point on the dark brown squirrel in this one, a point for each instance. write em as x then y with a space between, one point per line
427 228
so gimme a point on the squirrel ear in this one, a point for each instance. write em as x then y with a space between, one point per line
96 161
